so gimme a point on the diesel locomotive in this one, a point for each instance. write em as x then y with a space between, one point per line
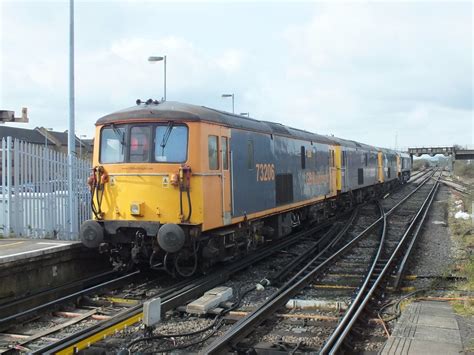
179 187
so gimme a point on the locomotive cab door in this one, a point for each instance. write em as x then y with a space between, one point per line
216 178
332 172
343 169
226 166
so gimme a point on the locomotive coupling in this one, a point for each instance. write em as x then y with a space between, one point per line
92 234
171 237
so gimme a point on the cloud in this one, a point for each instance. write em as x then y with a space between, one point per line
231 60
363 71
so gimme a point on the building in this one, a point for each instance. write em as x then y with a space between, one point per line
48 138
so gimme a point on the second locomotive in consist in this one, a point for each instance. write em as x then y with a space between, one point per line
182 186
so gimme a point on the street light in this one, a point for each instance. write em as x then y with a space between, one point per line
245 114
159 59
46 136
230 95
80 144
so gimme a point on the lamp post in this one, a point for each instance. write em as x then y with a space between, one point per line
230 95
46 136
245 114
71 139
80 144
159 59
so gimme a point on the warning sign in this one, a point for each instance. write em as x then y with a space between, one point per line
166 181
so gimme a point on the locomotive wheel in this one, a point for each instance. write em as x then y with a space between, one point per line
185 263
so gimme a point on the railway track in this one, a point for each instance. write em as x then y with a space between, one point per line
23 307
99 317
362 263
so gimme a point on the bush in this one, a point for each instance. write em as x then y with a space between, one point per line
462 168
419 164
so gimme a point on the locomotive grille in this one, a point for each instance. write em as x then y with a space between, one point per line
284 188
360 175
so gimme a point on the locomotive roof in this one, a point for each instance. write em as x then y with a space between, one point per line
354 144
177 111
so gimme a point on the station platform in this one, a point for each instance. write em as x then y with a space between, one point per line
19 249
29 266
425 327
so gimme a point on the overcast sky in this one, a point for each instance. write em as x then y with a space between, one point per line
362 71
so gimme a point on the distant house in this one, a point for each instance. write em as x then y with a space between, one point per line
51 139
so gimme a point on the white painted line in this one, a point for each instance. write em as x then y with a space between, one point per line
10 244
45 243
29 252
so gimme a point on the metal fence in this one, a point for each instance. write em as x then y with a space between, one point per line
34 195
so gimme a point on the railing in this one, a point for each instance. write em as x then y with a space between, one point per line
34 192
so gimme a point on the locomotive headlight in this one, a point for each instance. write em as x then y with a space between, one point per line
136 209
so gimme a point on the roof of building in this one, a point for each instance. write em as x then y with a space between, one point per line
28 135
36 136
60 136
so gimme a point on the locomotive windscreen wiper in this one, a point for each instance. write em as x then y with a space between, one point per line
120 134
166 136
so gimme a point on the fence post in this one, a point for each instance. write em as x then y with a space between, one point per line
4 188
36 194
9 183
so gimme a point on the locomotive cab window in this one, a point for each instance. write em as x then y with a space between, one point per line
140 144
171 143
212 152
112 145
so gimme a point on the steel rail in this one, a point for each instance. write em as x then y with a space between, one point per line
171 298
244 326
42 307
336 339
5 308
297 282
459 188
320 244
402 267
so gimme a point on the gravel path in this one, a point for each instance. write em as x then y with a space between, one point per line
432 253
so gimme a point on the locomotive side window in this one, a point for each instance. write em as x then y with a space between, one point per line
225 154
112 145
212 152
140 144
314 157
171 143
303 157
250 157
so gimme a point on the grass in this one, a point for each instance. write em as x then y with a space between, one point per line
462 234
462 168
